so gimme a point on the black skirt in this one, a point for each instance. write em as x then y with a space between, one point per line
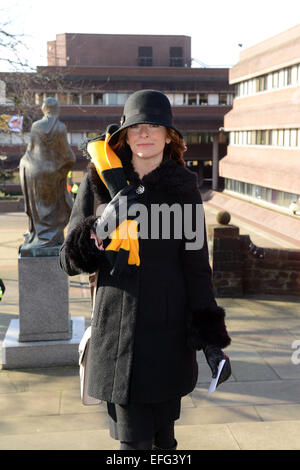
139 421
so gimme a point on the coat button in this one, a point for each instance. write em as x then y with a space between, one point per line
140 189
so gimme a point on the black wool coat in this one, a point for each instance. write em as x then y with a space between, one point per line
148 325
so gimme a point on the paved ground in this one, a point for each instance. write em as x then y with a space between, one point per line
258 408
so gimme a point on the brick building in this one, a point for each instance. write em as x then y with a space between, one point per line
92 76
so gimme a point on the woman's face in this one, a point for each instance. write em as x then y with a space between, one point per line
147 140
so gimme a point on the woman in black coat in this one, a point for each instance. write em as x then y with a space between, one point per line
155 304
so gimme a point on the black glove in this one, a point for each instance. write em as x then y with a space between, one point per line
115 212
214 355
119 249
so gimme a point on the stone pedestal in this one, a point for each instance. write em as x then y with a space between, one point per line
44 335
33 354
43 300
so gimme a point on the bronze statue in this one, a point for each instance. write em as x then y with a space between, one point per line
43 175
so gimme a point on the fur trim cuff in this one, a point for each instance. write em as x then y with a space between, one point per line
207 327
81 249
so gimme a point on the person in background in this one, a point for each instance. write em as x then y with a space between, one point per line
2 289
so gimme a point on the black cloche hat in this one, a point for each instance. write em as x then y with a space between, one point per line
145 107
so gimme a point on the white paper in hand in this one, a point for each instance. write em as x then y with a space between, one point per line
214 382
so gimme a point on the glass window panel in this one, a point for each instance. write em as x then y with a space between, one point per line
222 99
287 134
294 75
213 99
274 137
171 98
281 79
121 98
257 85
178 99
258 137
288 76
293 137
269 81
86 99
268 194
192 99
145 56
91 135
203 99
74 98
111 99
249 138
280 137
76 137
194 139
98 98
264 84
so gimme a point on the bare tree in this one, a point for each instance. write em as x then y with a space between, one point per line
12 47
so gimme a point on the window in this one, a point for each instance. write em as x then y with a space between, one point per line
171 98
294 75
91 135
145 56
287 76
176 57
192 99
213 99
98 98
87 99
281 79
178 99
194 139
274 137
115 99
74 98
261 83
222 99
280 138
287 135
76 137
203 99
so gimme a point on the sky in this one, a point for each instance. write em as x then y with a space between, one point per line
216 27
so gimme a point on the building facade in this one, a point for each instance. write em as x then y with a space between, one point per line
92 76
262 164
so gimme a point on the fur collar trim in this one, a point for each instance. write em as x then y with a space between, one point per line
170 176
